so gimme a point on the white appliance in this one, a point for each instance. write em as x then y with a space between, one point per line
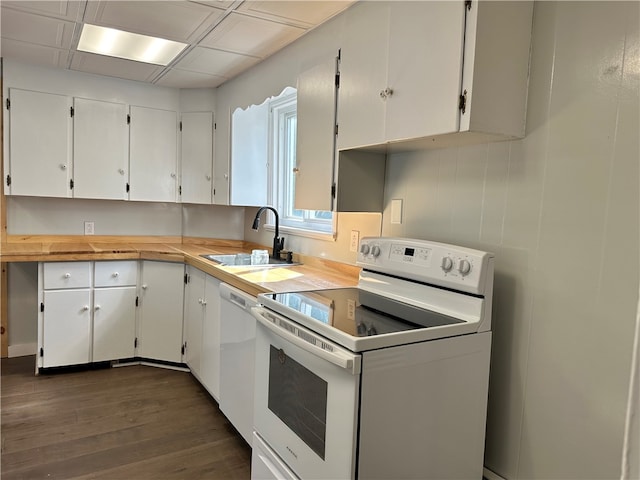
386 380
237 347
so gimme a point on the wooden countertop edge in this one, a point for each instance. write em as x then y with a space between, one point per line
317 272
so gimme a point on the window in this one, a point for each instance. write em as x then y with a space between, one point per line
283 162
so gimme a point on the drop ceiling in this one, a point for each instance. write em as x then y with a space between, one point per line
224 38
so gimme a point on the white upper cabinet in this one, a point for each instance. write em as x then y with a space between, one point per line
153 155
40 133
197 157
423 70
100 149
315 145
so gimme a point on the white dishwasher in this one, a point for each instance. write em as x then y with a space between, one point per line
237 356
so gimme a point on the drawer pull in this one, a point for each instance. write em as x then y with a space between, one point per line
67 275
116 274
85 308
144 287
97 307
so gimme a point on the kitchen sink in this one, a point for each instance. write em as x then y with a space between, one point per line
237 259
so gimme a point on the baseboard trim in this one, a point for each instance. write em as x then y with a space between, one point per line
489 475
23 349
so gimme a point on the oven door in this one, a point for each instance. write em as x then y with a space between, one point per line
306 398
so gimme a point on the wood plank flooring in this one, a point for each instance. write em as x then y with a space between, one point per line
135 422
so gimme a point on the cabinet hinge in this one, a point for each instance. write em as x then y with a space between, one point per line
42 352
135 343
8 103
336 130
180 190
338 80
333 190
71 184
184 348
127 188
186 278
467 3
462 102
128 119
71 112
180 125
214 192
8 180
42 307
215 125
137 301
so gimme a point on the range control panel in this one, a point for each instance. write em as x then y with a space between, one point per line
435 263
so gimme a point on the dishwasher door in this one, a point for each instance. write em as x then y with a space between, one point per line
237 357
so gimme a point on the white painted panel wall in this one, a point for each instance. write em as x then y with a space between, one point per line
555 208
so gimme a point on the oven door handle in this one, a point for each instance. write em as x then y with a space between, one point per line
337 357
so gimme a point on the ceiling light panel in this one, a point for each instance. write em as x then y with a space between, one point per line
130 46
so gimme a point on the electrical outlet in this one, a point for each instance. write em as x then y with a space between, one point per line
355 239
89 228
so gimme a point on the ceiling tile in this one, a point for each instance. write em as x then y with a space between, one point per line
306 13
215 62
251 36
179 21
215 3
184 79
68 10
31 53
114 67
27 27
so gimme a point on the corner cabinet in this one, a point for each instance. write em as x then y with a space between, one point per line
197 157
160 320
413 73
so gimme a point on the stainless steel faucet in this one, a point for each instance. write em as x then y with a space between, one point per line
278 243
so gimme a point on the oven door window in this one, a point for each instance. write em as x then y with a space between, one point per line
298 397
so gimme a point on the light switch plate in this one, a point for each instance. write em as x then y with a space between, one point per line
89 228
355 239
396 211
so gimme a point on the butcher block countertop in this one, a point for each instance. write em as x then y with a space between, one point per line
314 273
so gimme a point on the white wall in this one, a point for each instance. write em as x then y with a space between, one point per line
560 209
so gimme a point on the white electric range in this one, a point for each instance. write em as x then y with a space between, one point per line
386 380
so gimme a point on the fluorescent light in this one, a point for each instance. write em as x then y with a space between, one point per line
132 46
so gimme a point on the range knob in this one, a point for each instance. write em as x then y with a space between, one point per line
375 250
364 249
447 264
464 267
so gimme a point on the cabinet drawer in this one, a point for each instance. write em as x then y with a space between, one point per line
67 275
115 274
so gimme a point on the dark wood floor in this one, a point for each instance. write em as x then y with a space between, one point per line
134 422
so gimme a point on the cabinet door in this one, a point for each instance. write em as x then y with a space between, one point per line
363 74
424 68
194 305
160 329
114 323
153 155
197 157
315 141
100 149
66 327
210 371
39 160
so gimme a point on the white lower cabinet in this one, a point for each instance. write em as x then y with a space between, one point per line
160 319
202 328
66 327
114 323
86 316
